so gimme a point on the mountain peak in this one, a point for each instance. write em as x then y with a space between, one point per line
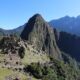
39 33
34 23
36 17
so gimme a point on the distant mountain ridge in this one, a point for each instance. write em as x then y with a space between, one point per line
67 24
17 30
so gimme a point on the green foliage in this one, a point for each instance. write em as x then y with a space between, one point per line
51 75
54 70
21 52
35 70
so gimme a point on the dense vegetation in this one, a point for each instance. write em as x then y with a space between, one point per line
54 70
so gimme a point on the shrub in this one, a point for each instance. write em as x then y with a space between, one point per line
55 70
35 70
21 52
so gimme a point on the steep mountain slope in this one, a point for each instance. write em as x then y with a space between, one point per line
67 24
38 32
68 43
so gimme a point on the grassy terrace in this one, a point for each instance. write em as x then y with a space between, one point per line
4 73
32 57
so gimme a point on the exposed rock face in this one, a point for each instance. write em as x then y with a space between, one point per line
68 43
38 32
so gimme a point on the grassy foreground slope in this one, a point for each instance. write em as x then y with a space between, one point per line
6 73
33 56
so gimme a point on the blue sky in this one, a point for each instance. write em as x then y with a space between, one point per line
14 13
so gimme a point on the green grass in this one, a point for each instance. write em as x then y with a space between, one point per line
4 72
2 57
31 57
